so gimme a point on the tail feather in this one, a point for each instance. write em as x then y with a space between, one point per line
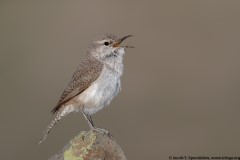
50 126
62 112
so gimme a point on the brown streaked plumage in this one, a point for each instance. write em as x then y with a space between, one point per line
95 82
87 72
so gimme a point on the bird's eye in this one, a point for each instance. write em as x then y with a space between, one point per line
106 43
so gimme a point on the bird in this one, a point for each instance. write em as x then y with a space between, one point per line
94 84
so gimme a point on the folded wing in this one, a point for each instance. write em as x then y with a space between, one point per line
87 72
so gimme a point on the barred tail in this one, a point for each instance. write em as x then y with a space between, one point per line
50 126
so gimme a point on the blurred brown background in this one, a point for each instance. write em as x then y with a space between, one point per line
181 87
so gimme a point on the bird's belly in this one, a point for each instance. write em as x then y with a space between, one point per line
100 93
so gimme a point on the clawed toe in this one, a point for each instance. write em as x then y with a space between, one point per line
102 131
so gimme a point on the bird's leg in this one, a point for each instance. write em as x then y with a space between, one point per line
91 124
89 119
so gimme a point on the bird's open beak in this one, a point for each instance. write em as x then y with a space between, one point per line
119 41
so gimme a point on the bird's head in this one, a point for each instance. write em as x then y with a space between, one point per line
107 46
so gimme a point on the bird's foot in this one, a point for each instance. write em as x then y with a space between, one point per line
103 131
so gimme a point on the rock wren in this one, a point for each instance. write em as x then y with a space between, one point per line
95 82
